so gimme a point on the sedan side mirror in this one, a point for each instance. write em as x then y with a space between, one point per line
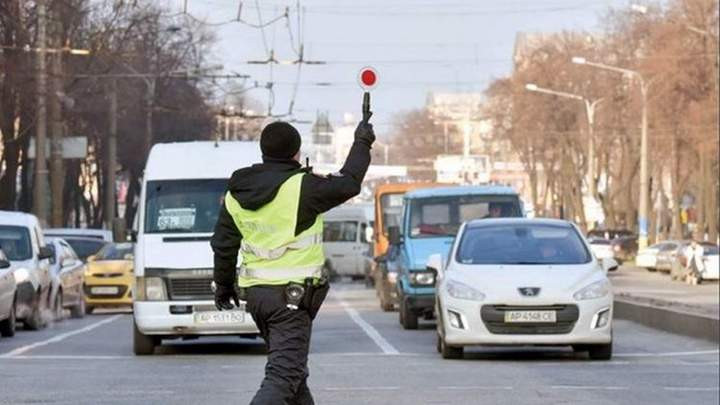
4 264
45 253
435 264
609 264
394 236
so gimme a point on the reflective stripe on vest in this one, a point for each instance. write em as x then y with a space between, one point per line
271 252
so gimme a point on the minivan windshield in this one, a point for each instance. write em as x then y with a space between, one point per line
522 244
183 206
442 216
15 242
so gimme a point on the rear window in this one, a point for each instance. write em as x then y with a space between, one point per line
340 231
15 242
522 244
85 247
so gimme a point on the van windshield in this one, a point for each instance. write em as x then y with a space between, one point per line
183 206
442 216
15 242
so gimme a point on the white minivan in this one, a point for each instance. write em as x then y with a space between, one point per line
347 240
182 189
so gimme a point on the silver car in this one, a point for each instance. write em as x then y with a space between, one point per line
67 274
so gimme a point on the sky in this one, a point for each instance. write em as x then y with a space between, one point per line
417 47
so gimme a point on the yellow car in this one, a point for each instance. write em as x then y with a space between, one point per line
109 277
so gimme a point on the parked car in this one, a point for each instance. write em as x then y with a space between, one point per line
520 281
431 218
84 246
624 248
68 277
601 248
109 277
647 257
345 241
7 297
710 262
665 258
102 234
22 241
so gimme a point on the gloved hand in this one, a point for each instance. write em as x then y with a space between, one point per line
364 133
223 295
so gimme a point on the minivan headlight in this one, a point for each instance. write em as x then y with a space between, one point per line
422 278
463 291
150 289
593 291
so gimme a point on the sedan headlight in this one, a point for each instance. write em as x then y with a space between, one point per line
422 278
463 291
150 289
21 275
593 291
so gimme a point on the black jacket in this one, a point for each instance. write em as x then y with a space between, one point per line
257 185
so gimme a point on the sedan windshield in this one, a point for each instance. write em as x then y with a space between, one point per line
114 251
183 206
15 242
522 244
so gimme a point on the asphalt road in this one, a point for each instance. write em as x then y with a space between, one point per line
360 355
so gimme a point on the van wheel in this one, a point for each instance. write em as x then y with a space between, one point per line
600 352
58 306
143 344
79 310
408 319
7 326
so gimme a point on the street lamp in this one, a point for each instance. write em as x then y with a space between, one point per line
644 180
590 106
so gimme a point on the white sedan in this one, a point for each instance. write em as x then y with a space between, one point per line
520 281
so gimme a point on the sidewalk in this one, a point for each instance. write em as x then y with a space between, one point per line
637 284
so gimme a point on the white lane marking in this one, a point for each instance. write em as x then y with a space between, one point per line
667 354
60 337
361 388
369 330
451 387
703 389
67 357
589 387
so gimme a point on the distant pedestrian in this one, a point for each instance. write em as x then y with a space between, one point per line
694 265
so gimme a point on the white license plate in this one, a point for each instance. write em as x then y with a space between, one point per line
530 317
104 290
213 317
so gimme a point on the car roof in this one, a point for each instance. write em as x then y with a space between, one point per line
84 238
17 218
200 160
458 191
105 234
478 223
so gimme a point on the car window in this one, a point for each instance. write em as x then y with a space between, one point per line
340 231
391 207
522 244
363 228
85 247
114 251
183 206
15 242
710 250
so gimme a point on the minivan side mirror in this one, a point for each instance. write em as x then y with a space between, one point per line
45 253
4 264
394 236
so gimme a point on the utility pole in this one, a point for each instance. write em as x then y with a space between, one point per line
111 158
41 172
149 106
57 177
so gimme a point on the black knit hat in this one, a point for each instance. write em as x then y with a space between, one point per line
279 140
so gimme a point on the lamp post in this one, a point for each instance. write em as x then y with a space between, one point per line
590 106
644 179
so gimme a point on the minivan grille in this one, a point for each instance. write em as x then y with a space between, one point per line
189 288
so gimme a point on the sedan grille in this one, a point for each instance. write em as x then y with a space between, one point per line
190 288
493 316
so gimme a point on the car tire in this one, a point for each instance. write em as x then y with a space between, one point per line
438 343
450 352
600 352
79 310
7 326
651 269
408 318
35 320
58 310
89 309
143 345
386 306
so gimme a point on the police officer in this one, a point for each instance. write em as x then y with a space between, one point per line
272 216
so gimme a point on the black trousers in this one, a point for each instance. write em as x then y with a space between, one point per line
287 334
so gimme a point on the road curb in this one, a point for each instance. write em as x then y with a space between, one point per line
669 320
